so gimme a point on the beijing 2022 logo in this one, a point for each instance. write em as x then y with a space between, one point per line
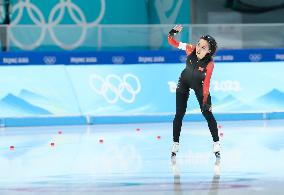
114 87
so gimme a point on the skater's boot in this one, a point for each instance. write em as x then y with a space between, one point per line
216 149
175 148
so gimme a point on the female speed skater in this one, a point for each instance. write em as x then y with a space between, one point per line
196 76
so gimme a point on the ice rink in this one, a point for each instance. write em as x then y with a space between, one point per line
135 159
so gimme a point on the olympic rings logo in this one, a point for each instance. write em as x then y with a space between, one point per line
255 57
49 59
55 17
118 59
114 88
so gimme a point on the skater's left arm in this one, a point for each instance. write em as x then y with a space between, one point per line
206 83
188 48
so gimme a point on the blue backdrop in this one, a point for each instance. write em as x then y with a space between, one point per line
59 90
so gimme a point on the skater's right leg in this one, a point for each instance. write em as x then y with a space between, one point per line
181 104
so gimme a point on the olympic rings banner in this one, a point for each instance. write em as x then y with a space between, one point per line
73 24
133 57
137 89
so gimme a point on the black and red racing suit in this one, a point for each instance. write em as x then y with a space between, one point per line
196 76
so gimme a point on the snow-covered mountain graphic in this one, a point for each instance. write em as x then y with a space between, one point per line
269 102
272 98
51 104
27 102
18 105
230 104
26 94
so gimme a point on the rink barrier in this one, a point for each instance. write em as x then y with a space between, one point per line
43 121
187 117
95 120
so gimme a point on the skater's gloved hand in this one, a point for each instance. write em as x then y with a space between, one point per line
175 29
206 107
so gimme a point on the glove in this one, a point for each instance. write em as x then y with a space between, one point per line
175 29
173 32
206 107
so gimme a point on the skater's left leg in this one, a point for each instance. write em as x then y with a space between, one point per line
212 124
208 115
211 121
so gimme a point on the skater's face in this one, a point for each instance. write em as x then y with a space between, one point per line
202 48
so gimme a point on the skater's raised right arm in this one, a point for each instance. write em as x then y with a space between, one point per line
188 48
